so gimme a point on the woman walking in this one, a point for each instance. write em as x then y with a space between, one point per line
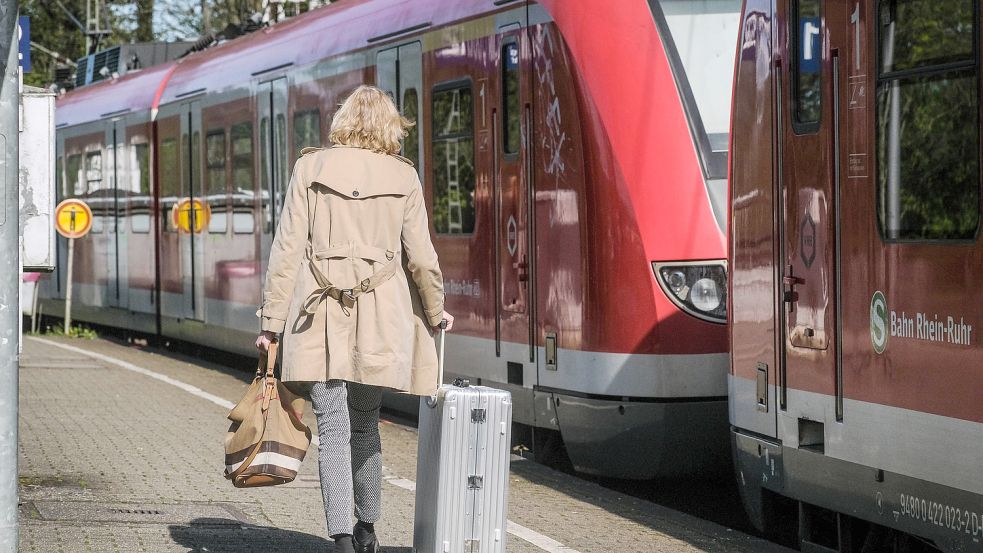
354 287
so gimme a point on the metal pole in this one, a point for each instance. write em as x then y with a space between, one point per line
10 318
88 28
68 286
206 18
34 307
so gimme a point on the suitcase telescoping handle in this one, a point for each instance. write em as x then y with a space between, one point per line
440 362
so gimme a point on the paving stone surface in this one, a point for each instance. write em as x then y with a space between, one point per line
115 460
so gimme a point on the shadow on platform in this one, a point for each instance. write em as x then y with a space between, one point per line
676 507
209 535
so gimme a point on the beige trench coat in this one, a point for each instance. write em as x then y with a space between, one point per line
364 213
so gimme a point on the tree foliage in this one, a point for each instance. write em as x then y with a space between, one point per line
52 28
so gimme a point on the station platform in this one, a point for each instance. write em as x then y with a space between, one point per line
121 451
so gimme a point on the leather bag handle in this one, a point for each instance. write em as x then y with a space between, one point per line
267 360
271 357
269 391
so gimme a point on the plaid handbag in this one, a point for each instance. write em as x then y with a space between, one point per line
267 440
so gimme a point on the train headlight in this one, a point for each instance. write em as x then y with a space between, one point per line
705 295
697 287
677 283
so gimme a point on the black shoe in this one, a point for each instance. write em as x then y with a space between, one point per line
364 540
344 544
371 545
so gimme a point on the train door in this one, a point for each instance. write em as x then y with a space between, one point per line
115 173
140 240
274 165
511 121
189 213
809 180
399 71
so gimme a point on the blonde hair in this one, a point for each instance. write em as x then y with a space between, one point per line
368 119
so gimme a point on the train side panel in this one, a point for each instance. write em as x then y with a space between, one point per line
873 413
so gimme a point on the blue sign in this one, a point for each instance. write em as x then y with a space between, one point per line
24 43
810 45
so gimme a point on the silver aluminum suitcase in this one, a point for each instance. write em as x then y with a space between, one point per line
462 469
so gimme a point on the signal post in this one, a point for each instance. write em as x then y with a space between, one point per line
73 219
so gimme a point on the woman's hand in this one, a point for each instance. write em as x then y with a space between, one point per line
450 322
264 340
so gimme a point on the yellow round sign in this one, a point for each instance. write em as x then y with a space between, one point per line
181 215
73 218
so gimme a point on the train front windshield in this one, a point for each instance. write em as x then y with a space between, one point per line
700 37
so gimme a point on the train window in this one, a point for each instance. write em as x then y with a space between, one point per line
141 175
264 172
510 98
699 39
242 158
281 165
140 204
93 171
59 179
411 144
807 46
215 162
453 160
169 180
215 182
307 130
243 222
928 133
182 189
195 162
93 184
73 174
920 33
189 158
242 178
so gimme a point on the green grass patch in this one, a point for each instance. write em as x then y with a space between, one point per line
76 331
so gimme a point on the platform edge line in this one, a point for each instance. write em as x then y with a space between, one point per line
193 390
545 543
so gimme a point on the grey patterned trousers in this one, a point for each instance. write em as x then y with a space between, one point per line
350 453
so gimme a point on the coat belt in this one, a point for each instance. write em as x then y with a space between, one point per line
347 296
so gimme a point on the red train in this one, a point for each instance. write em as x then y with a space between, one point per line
574 155
855 257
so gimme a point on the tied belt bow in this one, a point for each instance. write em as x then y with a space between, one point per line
347 296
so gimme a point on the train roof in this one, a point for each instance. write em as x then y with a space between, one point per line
136 91
345 26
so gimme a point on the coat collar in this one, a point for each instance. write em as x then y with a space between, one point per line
358 173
